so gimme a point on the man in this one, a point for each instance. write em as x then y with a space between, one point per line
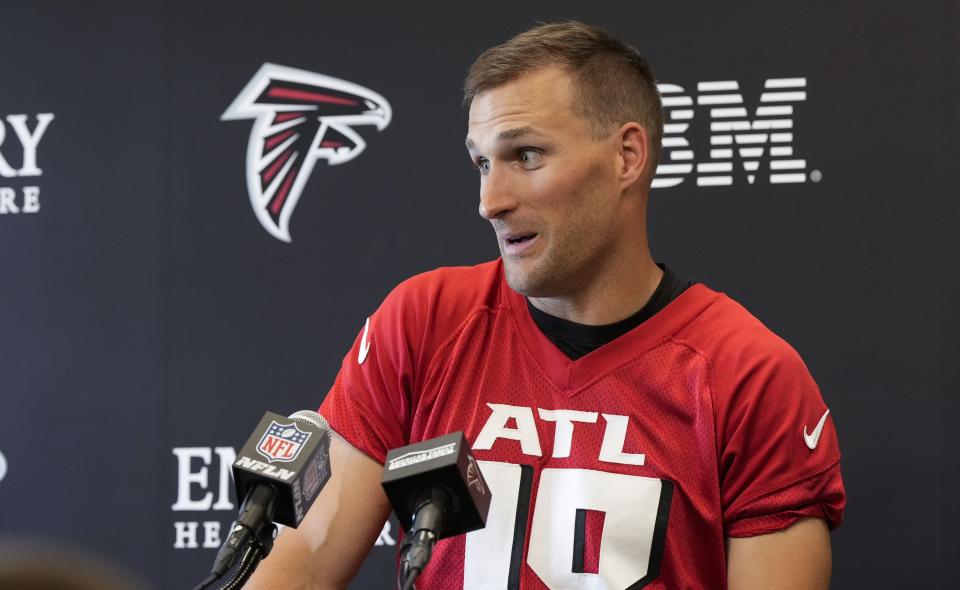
636 430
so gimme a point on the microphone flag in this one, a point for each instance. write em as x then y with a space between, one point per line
290 453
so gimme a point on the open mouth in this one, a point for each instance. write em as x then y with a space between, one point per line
521 239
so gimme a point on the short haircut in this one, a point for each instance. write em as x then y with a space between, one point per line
612 83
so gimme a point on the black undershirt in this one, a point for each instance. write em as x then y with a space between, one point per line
576 340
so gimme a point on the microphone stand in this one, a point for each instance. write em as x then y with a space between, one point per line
258 548
430 518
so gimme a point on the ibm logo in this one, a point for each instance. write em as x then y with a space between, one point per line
733 134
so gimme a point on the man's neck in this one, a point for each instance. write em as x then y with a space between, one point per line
608 301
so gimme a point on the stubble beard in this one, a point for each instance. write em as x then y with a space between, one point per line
577 247
566 265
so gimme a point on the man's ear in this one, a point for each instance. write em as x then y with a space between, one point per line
634 154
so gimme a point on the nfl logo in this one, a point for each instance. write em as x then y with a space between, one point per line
282 442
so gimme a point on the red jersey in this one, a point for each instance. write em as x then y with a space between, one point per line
626 468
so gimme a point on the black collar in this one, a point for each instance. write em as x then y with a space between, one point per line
577 340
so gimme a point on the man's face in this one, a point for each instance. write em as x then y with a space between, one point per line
548 187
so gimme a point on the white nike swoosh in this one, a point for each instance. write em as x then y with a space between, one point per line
813 439
364 344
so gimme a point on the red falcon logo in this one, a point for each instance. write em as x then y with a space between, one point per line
300 117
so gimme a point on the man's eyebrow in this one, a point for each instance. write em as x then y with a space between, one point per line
519 132
508 134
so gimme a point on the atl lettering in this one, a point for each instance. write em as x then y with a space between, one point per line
614 433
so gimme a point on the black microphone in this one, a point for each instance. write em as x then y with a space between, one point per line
279 473
436 489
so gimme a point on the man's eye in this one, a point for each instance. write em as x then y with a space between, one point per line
530 158
483 165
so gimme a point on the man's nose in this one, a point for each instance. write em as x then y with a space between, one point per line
497 195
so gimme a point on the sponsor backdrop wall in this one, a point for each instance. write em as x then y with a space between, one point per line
183 248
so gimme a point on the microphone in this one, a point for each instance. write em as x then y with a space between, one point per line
279 473
435 488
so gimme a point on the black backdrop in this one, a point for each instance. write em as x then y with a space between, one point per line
148 320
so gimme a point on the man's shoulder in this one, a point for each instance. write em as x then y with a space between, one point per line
458 286
454 281
725 331
430 306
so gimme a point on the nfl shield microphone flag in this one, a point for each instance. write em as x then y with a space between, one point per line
278 473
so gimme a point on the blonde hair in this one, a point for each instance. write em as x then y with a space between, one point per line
613 84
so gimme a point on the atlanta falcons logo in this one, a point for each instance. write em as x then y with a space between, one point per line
300 117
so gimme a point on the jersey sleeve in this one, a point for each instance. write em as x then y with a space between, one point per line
374 398
370 402
779 454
